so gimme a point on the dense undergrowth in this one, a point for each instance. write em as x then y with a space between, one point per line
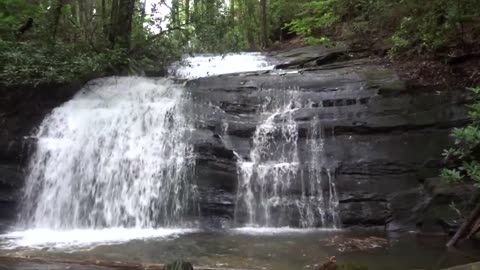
417 27
31 63
60 40
465 155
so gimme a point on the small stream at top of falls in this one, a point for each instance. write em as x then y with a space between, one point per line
210 65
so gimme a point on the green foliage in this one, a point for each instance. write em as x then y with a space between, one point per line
212 30
410 24
400 38
466 148
318 14
9 10
80 46
30 63
285 11
318 41
74 38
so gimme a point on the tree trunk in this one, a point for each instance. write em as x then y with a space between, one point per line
57 13
104 18
187 11
121 23
196 11
174 13
263 7
144 8
75 14
466 226
81 12
232 12
475 229
113 20
250 16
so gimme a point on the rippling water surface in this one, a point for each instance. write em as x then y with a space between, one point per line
246 248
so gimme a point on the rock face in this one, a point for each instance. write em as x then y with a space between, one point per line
22 108
471 266
383 140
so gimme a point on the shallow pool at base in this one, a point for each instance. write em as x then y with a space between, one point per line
278 249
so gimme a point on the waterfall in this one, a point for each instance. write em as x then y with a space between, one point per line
209 65
113 156
268 181
115 163
318 205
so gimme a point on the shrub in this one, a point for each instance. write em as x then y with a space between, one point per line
422 25
466 148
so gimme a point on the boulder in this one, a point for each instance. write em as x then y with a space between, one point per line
471 266
314 55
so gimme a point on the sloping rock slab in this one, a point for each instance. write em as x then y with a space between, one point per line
471 266
309 56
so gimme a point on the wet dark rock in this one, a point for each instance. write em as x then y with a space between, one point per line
445 203
22 108
11 180
366 213
11 176
382 140
309 56
471 266
408 208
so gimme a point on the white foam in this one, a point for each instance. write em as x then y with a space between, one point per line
116 155
41 238
209 65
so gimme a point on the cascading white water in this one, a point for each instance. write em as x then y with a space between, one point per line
112 164
113 156
209 65
315 207
269 179
267 176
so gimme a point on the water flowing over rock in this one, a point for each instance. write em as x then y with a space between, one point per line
115 155
325 142
268 176
210 65
380 142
